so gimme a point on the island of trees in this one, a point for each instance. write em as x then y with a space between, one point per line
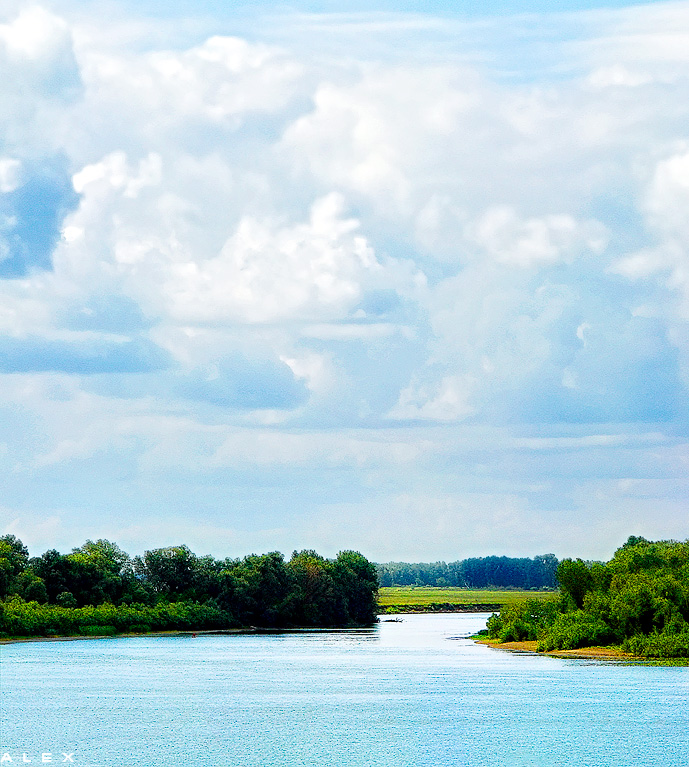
99 589
638 601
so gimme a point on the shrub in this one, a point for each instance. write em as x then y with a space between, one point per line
98 630
663 645
571 631
524 620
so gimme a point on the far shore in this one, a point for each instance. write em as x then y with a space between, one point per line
437 607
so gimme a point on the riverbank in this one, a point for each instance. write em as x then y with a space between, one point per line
185 633
74 637
439 607
594 653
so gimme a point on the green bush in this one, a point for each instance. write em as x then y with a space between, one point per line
639 599
523 621
98 630
19 618
663 645
570 631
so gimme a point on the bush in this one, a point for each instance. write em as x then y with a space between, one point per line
98 631
19 618
139 628
570 631
640 598
663 645
523 621
65 599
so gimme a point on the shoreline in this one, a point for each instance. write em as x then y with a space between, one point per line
76 637
185 632
590 653
440 607
383 616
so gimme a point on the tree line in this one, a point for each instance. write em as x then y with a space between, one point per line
99 586
474 573
639 601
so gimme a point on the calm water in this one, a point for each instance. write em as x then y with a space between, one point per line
413 694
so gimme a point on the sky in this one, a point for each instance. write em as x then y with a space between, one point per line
406 278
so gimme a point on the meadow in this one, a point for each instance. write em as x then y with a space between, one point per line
393 599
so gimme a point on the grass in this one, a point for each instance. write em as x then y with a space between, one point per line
395 598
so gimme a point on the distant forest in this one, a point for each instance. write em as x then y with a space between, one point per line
98 588
474 573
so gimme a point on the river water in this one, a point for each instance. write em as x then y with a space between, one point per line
412 694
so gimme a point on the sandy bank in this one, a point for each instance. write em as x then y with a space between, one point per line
598 653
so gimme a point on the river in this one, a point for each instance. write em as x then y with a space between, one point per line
415 693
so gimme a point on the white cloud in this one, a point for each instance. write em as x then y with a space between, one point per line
40 76
615 76
449 242
266 273
450 400
113 172
536 241
380 136
10 174
665 205
34 35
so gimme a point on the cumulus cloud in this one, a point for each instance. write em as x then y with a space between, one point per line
536 242
229 252
36 47
265 273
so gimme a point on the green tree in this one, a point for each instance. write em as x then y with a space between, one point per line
314 598
54 569
14 557
575 579
357 585
170 571
32 588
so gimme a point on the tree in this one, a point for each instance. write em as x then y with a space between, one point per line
95 572
14 557
575 579
314 599
257 590
170 571
357 582
32 588
54 569
106 555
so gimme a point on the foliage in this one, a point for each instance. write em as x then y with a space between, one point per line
663 645
570 631
575 579
20 618
13 559
98 586
523 621
639 600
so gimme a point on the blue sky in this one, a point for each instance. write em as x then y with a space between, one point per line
405 278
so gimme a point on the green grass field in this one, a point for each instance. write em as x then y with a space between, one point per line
425 596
